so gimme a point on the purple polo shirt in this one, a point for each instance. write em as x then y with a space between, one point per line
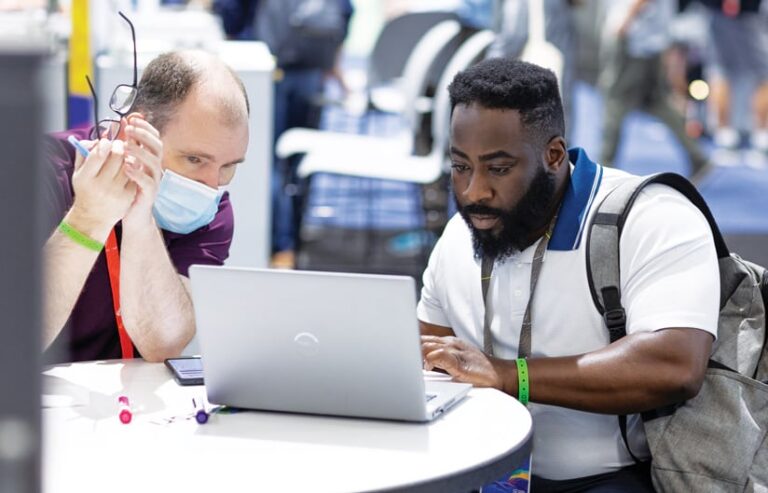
91 331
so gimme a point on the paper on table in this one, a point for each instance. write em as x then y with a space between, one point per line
58 392
58 400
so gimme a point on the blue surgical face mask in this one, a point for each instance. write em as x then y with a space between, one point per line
183 205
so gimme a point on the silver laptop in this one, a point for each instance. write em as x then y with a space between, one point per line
315 342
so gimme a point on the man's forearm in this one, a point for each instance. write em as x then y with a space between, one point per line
67 267
435 330
155 303
639 372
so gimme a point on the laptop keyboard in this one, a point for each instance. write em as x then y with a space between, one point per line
430 396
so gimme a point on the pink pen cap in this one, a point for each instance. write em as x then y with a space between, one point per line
125 414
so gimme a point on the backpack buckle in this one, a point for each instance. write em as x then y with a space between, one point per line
615 318
616 321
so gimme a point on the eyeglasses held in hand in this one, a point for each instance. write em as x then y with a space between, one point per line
120 102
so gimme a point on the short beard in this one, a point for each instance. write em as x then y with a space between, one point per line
517 224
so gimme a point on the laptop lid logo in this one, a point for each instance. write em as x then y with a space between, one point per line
307 344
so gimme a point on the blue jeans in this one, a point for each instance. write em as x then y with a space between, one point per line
296 97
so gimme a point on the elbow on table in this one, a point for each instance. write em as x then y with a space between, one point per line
159 349
160 354
157 342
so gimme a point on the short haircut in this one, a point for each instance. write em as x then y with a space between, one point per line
167 81
507 84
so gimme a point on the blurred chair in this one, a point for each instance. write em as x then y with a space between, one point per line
392 158
538 50
408 98
407 94
386 158
378 157
391 52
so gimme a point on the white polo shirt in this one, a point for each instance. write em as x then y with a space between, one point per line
669 278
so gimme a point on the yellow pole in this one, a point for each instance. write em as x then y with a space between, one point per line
79 110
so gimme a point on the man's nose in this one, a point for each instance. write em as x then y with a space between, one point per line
210 178
478 190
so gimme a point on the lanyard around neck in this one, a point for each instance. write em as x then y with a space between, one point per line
113 266
486 269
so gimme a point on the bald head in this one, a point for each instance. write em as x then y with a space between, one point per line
173 77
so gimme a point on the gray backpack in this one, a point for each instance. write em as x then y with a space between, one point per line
717 441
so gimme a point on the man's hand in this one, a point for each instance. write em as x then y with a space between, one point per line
463 361
103 192
144 153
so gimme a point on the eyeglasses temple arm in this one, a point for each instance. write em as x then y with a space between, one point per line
95 101
133 35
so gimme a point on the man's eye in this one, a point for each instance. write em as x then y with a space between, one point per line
459 168
194 159
499 170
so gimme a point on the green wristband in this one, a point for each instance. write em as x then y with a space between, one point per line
522 381
80 238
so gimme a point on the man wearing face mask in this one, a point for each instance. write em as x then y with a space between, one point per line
127 221
506 300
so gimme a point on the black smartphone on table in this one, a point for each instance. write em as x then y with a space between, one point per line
186 370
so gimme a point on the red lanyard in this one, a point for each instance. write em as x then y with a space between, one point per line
113 265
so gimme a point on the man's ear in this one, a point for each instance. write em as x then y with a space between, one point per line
133 114
556 154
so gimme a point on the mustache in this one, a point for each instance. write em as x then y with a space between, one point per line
482 210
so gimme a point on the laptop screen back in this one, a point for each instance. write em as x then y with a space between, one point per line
312 342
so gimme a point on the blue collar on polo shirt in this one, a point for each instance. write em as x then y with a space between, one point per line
582 189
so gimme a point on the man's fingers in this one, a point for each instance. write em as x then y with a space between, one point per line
130 187
138 120
114 162
142 156
79 160
427 347
93 164
91 145
444 358
142 179
145 137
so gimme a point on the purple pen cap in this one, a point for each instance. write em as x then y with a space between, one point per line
201 417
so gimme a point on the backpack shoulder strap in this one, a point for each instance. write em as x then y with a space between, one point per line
603 243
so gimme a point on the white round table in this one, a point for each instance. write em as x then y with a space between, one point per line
86 448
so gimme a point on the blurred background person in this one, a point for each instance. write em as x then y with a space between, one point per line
305 36
559 30
684 63
635 38
738 52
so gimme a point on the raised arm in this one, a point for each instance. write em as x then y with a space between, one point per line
102 195
155 300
